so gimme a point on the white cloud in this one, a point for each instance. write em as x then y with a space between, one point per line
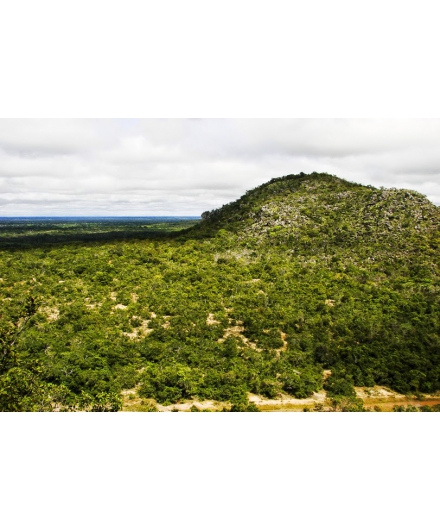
184 167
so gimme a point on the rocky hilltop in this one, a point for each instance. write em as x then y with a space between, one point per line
321 211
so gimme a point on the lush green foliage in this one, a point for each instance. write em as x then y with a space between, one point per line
305 273
22 383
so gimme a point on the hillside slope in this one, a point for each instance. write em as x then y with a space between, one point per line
321 211
368 260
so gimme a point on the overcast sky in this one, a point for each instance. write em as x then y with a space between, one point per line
184 167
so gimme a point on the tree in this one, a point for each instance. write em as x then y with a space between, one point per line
21 388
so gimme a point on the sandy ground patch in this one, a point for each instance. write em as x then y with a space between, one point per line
285 399
376 398
329 302
186 406
167 322
139 333
51 313
385 399
92 306
237 331
133 403
284 346
210 320
377 392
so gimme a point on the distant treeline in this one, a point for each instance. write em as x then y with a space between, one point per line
28 233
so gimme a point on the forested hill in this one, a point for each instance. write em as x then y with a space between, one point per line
304 283
320 212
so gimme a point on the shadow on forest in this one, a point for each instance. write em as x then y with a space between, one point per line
55 237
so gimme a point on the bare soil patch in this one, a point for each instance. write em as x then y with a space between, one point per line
139 333
382 398
211 321
237 331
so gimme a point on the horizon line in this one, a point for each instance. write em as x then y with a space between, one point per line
96 216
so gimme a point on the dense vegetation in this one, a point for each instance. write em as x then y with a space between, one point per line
303 274
28 232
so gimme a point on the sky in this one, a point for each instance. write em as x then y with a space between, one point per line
122 167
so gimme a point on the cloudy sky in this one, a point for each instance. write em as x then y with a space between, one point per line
184 167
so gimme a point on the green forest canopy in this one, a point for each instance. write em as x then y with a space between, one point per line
302 274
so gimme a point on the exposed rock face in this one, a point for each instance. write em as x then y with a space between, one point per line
321 210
